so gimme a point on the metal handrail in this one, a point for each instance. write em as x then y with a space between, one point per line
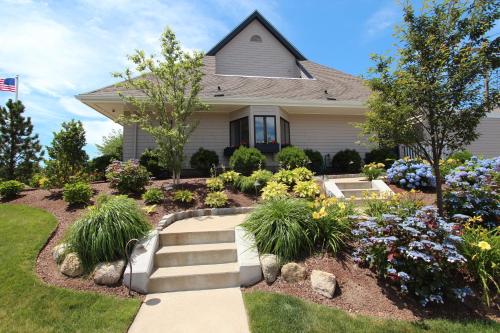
128 254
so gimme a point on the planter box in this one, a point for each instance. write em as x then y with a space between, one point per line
268 148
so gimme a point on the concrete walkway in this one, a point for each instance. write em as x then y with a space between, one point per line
194 311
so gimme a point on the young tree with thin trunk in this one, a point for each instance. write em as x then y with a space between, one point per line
168 88
431 95
20 149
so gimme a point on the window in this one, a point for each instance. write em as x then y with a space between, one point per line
265 129
256 38
238 132
285 132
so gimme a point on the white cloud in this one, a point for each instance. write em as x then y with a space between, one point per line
96 129
76 107
381 20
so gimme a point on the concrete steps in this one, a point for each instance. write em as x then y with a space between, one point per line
357 189
345 184
195 254
194 277
358 193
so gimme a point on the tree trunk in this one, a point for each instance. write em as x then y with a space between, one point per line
439 189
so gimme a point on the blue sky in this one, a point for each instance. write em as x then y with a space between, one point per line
62 48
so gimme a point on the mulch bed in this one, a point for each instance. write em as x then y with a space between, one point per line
360 292
47 269
427 196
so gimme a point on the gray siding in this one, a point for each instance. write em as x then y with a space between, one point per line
488 144
267 58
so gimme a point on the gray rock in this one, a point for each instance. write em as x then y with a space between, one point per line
323 283
109 273
270 267
71 265
293 272
59 252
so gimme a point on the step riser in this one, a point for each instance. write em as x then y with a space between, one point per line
354 185
187 238
195 258
194 282
358 193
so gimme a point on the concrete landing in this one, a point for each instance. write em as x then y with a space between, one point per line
194 311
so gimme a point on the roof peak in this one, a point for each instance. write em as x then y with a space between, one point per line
256 15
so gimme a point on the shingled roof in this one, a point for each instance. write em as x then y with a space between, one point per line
318 83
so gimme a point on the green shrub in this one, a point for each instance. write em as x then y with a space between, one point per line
373 170
153 196
274 190
97 166
183 196
292 157
203 160
285 176
283 227
481 248
216 199
316 159
10 189
246 160
230 177
308 189
36 180
102 233
77 193
215 184
461 155
127 177
381 155
255 182
150 159
346 161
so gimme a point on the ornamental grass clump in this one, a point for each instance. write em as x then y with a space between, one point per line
411 174
472 189
274 190
102 233
284 227
419 254
481 247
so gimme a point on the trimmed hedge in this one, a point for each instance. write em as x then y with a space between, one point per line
346 161
203 160
246 160
292 157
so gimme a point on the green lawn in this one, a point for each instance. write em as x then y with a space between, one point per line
274 313
27 304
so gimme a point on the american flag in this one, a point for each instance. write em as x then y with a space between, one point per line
8 84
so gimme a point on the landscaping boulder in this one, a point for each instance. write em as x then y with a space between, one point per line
71 265
323 283
293 272
59 251
270 267
109 273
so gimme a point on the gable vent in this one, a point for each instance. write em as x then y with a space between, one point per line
256 38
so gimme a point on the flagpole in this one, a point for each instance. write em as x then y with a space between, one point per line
17 87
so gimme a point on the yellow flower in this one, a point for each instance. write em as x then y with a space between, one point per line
320 214
484 246
475 219
341 206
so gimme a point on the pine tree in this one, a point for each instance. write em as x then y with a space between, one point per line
20 149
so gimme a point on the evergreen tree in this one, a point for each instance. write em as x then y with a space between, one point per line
67 157
20 149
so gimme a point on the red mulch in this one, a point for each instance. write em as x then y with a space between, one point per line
427 196
360 292
47 269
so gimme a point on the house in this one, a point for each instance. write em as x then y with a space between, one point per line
265 93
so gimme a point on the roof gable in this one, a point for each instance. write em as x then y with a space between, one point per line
257 16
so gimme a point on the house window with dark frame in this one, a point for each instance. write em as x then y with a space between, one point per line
238 132
265 129
285 132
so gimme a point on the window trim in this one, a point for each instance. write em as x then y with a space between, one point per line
283 135
265 129
239 120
